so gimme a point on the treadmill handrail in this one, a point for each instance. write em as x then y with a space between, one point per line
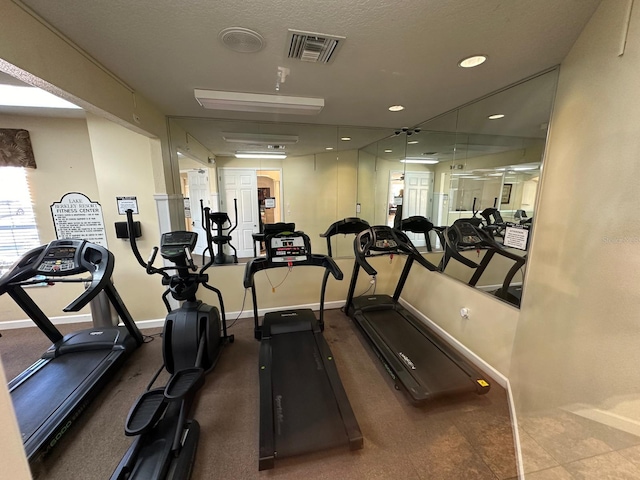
318 260
404 246
344 226
486 242
100 276
89 257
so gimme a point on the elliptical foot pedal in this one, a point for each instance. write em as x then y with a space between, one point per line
146 412
184 381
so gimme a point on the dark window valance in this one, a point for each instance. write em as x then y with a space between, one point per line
15 148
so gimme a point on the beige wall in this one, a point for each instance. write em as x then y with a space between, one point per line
122 161
102 160
578 336
490 328
63 155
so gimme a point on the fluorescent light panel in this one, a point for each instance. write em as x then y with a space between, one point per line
273 156
256 102
18 96
427 161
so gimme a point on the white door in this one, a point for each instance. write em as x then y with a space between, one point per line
198 190
417 200
240 185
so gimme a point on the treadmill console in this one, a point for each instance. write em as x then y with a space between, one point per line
288 247
60 259
465 235
383 240
172 244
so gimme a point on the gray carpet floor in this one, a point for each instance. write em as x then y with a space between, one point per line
467 437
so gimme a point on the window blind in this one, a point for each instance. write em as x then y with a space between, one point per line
18 229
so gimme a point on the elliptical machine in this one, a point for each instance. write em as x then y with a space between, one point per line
224 228
193 337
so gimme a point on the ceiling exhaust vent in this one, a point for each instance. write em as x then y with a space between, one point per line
312 47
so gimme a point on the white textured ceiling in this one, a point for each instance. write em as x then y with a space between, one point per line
395 52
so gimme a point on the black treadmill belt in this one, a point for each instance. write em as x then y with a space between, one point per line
433 368
43 393
306 415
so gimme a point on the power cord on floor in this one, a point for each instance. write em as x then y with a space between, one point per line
150 338
241 309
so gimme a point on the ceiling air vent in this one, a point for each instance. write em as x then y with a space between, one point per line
312 47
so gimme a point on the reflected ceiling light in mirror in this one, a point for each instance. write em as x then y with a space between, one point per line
496 116
472 61
427 161
18 96
396 108
345 139
388 150
257 102
412 142
261 155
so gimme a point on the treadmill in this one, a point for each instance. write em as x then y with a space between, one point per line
303 405
49 395
461 236
419 362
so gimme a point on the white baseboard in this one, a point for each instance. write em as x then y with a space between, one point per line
159 322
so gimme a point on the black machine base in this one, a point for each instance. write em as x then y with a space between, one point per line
76 370
418 361
303 405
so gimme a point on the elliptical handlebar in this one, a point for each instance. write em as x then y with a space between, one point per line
148 265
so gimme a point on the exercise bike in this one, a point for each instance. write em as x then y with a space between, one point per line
193 336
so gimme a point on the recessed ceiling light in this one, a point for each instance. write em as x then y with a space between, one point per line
328 148
412 142
496 116
472 61
388 150
396 108
345 139
18 96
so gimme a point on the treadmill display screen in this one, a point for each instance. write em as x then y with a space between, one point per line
58 253
58 260
384 241
288 249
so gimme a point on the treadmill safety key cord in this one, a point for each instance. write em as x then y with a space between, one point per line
273 287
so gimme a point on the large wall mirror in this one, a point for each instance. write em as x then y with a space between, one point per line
270 172
486 154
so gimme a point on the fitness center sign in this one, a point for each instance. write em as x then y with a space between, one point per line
76 216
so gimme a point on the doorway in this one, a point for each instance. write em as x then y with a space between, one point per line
258 194
195 187
418 200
